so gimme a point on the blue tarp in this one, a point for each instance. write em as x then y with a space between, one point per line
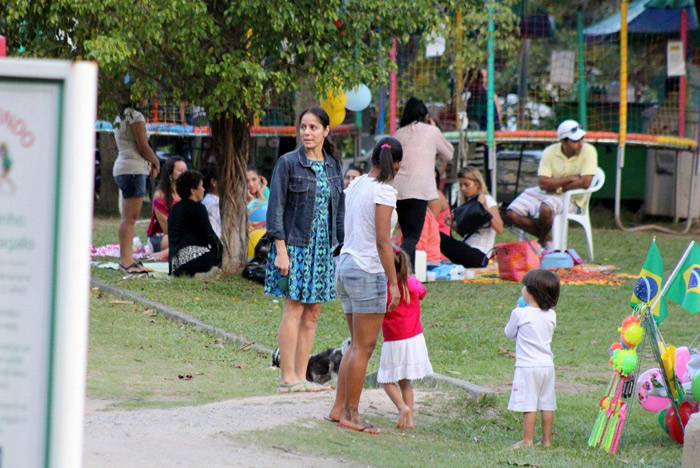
645 16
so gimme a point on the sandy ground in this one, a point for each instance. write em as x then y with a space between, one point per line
205 436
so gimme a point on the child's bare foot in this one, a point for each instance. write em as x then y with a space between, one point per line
409 421
521 444
404 416
544 444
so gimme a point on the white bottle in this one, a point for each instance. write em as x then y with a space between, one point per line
421 265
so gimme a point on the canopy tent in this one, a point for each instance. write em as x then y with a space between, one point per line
646 16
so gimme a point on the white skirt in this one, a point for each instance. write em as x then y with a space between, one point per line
404 360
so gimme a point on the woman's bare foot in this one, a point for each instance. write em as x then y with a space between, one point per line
404 416
521 444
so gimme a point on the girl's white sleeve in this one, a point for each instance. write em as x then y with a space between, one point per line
512 325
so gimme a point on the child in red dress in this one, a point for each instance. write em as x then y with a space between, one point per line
404 353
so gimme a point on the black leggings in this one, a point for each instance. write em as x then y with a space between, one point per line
462 254
411 218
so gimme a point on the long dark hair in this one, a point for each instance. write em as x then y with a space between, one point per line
402 263
413 111
321 115
386 152
165 176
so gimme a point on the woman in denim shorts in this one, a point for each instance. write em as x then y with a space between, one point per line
365 266
135 162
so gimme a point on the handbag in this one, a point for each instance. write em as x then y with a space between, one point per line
516 258
471 216
557 259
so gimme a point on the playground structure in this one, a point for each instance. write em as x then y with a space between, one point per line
611 75
631 79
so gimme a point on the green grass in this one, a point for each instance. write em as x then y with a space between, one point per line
135 357
453 431
464 329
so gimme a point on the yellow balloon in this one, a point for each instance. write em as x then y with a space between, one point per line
334 102
337 117
253 239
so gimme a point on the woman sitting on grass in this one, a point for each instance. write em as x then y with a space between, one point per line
194 246
163 200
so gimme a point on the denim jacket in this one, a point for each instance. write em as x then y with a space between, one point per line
290 209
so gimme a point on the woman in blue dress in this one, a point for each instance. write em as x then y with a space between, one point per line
305 219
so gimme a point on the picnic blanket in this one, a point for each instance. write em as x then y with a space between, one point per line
112 250
602 275
157 269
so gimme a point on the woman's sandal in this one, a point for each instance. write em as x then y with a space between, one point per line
296 387
366 427
135 268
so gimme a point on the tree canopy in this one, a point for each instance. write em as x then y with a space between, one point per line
227 56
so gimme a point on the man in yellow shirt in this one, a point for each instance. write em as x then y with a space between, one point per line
567 165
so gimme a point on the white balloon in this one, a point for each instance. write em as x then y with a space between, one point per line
359 98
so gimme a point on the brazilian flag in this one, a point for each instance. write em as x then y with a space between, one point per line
648 285
685 287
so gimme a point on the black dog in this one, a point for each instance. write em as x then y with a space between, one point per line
322 366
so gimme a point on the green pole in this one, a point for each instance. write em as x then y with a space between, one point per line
581 72
489 99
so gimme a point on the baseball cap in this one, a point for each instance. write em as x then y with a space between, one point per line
570 129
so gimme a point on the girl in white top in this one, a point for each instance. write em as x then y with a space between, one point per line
532 325
211 199
474 250
365 265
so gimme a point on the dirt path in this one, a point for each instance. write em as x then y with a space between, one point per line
194 436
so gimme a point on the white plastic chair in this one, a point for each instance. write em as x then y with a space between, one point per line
560 227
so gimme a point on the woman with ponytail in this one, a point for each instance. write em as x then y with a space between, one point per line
305 215
365 266
422 142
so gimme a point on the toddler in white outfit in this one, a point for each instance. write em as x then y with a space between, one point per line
532 325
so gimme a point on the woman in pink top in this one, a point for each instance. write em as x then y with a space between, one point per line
404 353
422 143
164 198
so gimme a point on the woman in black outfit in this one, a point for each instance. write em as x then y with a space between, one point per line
194 246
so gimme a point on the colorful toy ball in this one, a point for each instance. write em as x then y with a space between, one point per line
646 288
615 358
662 419
632 335
648 402
695 386
615 346
629 320
681 365
674 430
258 215
627 361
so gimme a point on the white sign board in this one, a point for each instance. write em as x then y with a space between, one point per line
47 138
675 58
562 70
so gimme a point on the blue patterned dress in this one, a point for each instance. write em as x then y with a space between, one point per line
311 268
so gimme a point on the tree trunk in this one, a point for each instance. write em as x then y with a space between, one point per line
230 140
